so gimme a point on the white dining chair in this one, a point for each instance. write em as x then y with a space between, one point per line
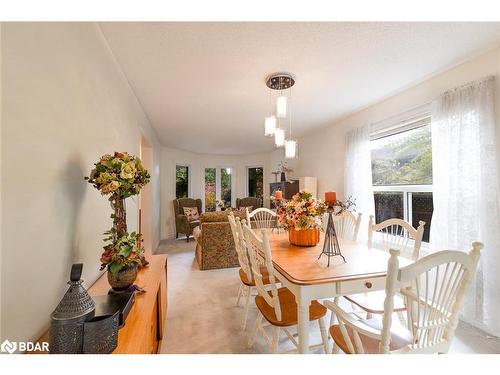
346 224
276 305
247 285
433 287
261 218
395 234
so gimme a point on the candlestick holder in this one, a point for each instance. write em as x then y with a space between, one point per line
331 245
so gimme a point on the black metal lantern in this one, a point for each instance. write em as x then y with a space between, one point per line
67 320
331 245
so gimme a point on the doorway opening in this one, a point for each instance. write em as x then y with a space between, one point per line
145 206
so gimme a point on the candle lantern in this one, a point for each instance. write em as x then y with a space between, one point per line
76 308
331 245
75 326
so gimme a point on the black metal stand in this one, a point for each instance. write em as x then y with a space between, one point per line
331 246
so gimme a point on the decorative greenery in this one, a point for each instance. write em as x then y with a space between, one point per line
301 212
283 167
342 206
120 176
125 251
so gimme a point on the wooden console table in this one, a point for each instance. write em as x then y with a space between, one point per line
144 327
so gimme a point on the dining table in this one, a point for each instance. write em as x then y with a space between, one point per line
306 274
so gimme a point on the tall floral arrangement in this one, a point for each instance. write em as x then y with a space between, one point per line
301 212
120 176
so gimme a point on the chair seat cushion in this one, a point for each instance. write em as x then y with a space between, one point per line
373 302
400 336
245 280
288 309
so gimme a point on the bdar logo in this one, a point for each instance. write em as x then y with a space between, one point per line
8 347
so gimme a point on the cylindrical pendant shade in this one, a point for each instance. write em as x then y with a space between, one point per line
270 126
290 149
279 137
281 106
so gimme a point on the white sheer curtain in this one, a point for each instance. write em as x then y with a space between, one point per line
465 184
358 173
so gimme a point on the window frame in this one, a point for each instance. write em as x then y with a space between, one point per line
247 180
218 186
420 120
188 166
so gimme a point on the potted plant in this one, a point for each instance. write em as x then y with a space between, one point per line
302 217
120 176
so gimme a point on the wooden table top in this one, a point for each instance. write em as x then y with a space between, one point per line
300 265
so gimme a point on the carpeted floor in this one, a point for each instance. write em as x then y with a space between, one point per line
202 316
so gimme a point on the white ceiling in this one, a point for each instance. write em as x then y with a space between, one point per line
203 84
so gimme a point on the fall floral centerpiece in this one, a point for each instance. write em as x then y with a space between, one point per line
302 217
120 176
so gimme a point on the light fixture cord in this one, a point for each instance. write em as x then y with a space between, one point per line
290 111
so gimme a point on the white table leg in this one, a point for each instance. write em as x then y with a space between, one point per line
303 324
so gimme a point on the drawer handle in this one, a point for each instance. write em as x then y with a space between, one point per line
368 284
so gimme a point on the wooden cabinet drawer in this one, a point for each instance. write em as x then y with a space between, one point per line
362 286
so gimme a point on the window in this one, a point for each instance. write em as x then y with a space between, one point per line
256 182
210 189
402 174
225 184
218 188
181 181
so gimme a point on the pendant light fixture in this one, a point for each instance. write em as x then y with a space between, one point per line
279 137
270 121
281 104
270 126
283 83
290 144
290 149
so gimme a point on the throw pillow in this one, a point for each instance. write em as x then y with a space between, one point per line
250 208
191 213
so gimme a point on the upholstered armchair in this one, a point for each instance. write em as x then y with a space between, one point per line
182 224
248 201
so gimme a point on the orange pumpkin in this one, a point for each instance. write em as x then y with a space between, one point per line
304 237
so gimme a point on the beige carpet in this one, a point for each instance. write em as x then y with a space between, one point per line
202 316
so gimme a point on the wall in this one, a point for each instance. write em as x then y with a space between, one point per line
170 157
65 102
1 127
322 154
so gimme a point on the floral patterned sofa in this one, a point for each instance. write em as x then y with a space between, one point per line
214 241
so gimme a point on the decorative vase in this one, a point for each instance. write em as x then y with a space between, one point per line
124 278
283 177
304 237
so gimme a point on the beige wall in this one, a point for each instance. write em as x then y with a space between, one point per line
171 157
1 127
322 154
65 102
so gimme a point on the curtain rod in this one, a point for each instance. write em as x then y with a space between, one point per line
399 117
